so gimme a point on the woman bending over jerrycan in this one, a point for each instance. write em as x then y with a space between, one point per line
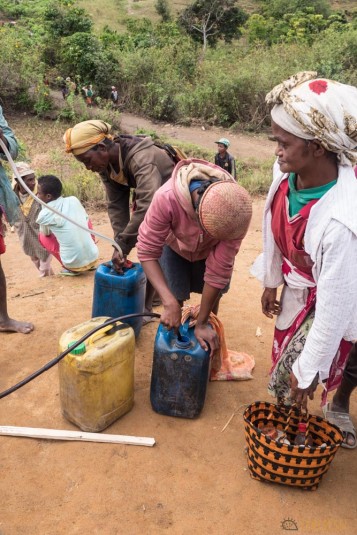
310 240
195 223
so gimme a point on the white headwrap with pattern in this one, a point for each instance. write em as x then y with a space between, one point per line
317 108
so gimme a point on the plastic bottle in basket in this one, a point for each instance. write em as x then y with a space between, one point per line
302 439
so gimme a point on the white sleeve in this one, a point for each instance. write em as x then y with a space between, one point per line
336 300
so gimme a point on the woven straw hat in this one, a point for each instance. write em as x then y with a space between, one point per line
225 211
23 169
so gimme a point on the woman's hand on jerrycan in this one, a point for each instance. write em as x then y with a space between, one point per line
118 261
171 315
207 337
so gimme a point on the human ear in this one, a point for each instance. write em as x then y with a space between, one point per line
318 149
102 147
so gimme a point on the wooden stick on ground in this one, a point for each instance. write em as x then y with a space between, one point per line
59 434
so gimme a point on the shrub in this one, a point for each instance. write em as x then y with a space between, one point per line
19 64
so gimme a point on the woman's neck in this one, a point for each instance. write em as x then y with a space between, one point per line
321 175
114 157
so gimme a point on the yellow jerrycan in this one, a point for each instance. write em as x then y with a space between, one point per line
97 378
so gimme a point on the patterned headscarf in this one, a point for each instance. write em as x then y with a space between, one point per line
86 135
316 108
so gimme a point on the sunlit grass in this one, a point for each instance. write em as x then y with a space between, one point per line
115 12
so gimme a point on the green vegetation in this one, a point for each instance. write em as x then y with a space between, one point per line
157 61
207 21
38 135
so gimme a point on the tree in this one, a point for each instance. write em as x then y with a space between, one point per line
209 20
63 20
163 9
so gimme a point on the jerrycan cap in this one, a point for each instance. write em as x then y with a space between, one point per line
79 350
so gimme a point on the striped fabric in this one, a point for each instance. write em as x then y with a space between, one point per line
28 231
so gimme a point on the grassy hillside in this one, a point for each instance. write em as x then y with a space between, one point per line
114 12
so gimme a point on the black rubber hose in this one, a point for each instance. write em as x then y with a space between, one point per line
54 361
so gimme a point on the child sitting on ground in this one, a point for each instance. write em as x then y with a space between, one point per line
26 227
73 247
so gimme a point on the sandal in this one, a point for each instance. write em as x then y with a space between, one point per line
344 422
68 273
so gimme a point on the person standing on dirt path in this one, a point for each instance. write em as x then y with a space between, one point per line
88 93
310 239
71 86
189 239
224 159
114 96
124 163
9 209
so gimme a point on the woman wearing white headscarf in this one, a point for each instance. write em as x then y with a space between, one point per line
310 235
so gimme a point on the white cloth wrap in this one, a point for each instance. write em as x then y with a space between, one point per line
331 242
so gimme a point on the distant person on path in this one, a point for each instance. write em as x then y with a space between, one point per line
114 96
73 247
123 163
26 227
71 86
9 209
310 243
64 89
224 159
88 93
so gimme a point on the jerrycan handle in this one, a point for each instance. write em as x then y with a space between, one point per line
183 340
98 334
128 264
106 330
183 329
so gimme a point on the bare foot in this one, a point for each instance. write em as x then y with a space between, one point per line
15 326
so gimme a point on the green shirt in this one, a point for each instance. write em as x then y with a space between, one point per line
300 198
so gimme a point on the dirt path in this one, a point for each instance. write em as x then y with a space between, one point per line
243 146
195 480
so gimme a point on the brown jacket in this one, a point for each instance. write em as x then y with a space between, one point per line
146 167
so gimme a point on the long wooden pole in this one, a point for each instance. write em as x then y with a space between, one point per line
60 434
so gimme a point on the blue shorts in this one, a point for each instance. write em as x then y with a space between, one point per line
183 276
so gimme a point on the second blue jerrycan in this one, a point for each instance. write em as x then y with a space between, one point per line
179 374
118 294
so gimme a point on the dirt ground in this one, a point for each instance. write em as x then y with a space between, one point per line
195 479
242 146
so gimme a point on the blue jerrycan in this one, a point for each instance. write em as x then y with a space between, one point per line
118 294
179 374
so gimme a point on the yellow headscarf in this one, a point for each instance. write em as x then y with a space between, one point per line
84 136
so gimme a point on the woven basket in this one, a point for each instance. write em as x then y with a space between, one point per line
297 466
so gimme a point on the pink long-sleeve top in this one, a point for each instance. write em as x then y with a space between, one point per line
171 220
